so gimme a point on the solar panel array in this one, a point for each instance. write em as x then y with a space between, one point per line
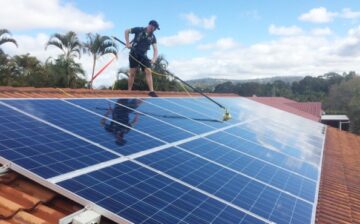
169 160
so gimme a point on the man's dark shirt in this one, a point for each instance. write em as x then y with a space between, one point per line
142 40
121 114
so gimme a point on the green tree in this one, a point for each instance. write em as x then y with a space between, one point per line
68 70
249 89
226 87
354 111
344 98
98 46
123 82
28 71
65 73
163 80
5 38
4 69
68 43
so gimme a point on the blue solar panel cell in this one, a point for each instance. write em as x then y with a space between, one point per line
291 145
263 152
230 186
115 137
141 195
42 149
161 111
268 173
211 119
126 112
238 109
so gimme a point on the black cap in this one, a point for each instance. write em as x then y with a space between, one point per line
154 24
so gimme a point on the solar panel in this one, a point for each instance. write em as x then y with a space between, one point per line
42 149
125 111
141 195
264 152
243 191
115 136
261 169
180 164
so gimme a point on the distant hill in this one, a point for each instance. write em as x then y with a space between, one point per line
209 83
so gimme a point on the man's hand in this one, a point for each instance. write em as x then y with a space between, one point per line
153 61
129 45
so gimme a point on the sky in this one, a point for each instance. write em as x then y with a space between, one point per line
231 39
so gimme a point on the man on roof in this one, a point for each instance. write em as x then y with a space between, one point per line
144 37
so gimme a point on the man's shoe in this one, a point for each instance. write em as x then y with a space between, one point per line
153 94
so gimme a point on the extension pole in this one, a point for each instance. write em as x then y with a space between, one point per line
227 115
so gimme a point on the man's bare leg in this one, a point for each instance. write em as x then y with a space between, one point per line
131 78
149 79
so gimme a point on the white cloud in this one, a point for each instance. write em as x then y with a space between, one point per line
350 46
50 14
284 31
33 45
347 13
289 55
221 44
318 15
181 38
321 31
207 23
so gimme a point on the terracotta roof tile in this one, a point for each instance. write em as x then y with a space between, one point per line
21 199
24 201
7 207
30 92
313 108
339 195
309 110
25 217
31 188
47 213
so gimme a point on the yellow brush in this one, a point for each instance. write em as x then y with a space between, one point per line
227 115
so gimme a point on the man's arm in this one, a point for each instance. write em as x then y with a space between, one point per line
128 44
155 53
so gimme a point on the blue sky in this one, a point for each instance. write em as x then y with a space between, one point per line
228 39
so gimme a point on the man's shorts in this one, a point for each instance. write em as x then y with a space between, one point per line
142 58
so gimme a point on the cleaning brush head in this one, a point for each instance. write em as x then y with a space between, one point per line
227 116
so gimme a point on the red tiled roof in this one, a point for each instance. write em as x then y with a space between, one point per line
24 201
339 195
313 108
31 92
310 110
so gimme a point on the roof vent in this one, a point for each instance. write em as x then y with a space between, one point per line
87 217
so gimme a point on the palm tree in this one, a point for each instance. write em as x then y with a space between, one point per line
98 46
4 38
68 43
71 47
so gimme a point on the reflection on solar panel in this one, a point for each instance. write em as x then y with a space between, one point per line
168 160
